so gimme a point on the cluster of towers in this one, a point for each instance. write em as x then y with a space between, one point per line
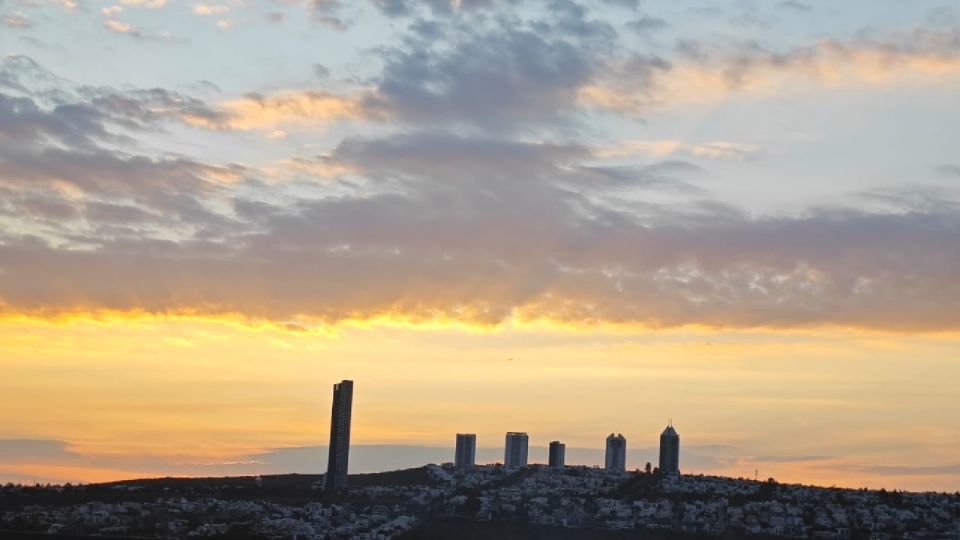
514 453
517 444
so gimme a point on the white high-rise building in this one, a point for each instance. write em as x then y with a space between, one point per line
515 452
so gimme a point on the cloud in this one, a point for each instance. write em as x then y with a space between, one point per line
701 78
788 459
14 451
285 108
472 226
148 4
712 150
407 8
126 29
15 20
949 170
794 5
56 173
628 4
494 76
329 13
907 470
647 25
210 9
486 231
121 28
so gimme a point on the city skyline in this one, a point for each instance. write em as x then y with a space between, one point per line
559 216
515 450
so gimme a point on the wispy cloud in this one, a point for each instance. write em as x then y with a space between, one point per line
15 19
210 9
712 150
752 71
280 109
147 4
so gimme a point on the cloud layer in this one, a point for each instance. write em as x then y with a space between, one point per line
462 181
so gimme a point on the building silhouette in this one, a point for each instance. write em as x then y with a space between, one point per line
339 436
515 452
558 452
466 453
670 451
616 458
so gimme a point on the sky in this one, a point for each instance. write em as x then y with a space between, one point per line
562 217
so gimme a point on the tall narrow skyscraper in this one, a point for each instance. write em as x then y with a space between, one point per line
558 452
339 436
616 459
670 451
515 452
466 454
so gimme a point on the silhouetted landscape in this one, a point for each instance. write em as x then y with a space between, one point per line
478 502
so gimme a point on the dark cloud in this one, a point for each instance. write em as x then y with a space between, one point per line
55 169
514 74
647 25
21 74
628 4
15 451
407 8
329 13
23 122
321 71
394 8
794 5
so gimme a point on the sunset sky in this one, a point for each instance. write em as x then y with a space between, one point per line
563 217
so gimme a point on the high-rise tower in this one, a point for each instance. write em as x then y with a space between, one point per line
339 436
558 452
616 459
515 452
670 451
466 453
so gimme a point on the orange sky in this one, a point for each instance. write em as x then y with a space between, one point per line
828 406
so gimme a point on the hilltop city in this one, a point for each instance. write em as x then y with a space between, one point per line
463 499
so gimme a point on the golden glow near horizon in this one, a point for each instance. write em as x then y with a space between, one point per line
134 395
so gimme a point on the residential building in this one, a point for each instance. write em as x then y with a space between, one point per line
515 452
616 457
466 453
